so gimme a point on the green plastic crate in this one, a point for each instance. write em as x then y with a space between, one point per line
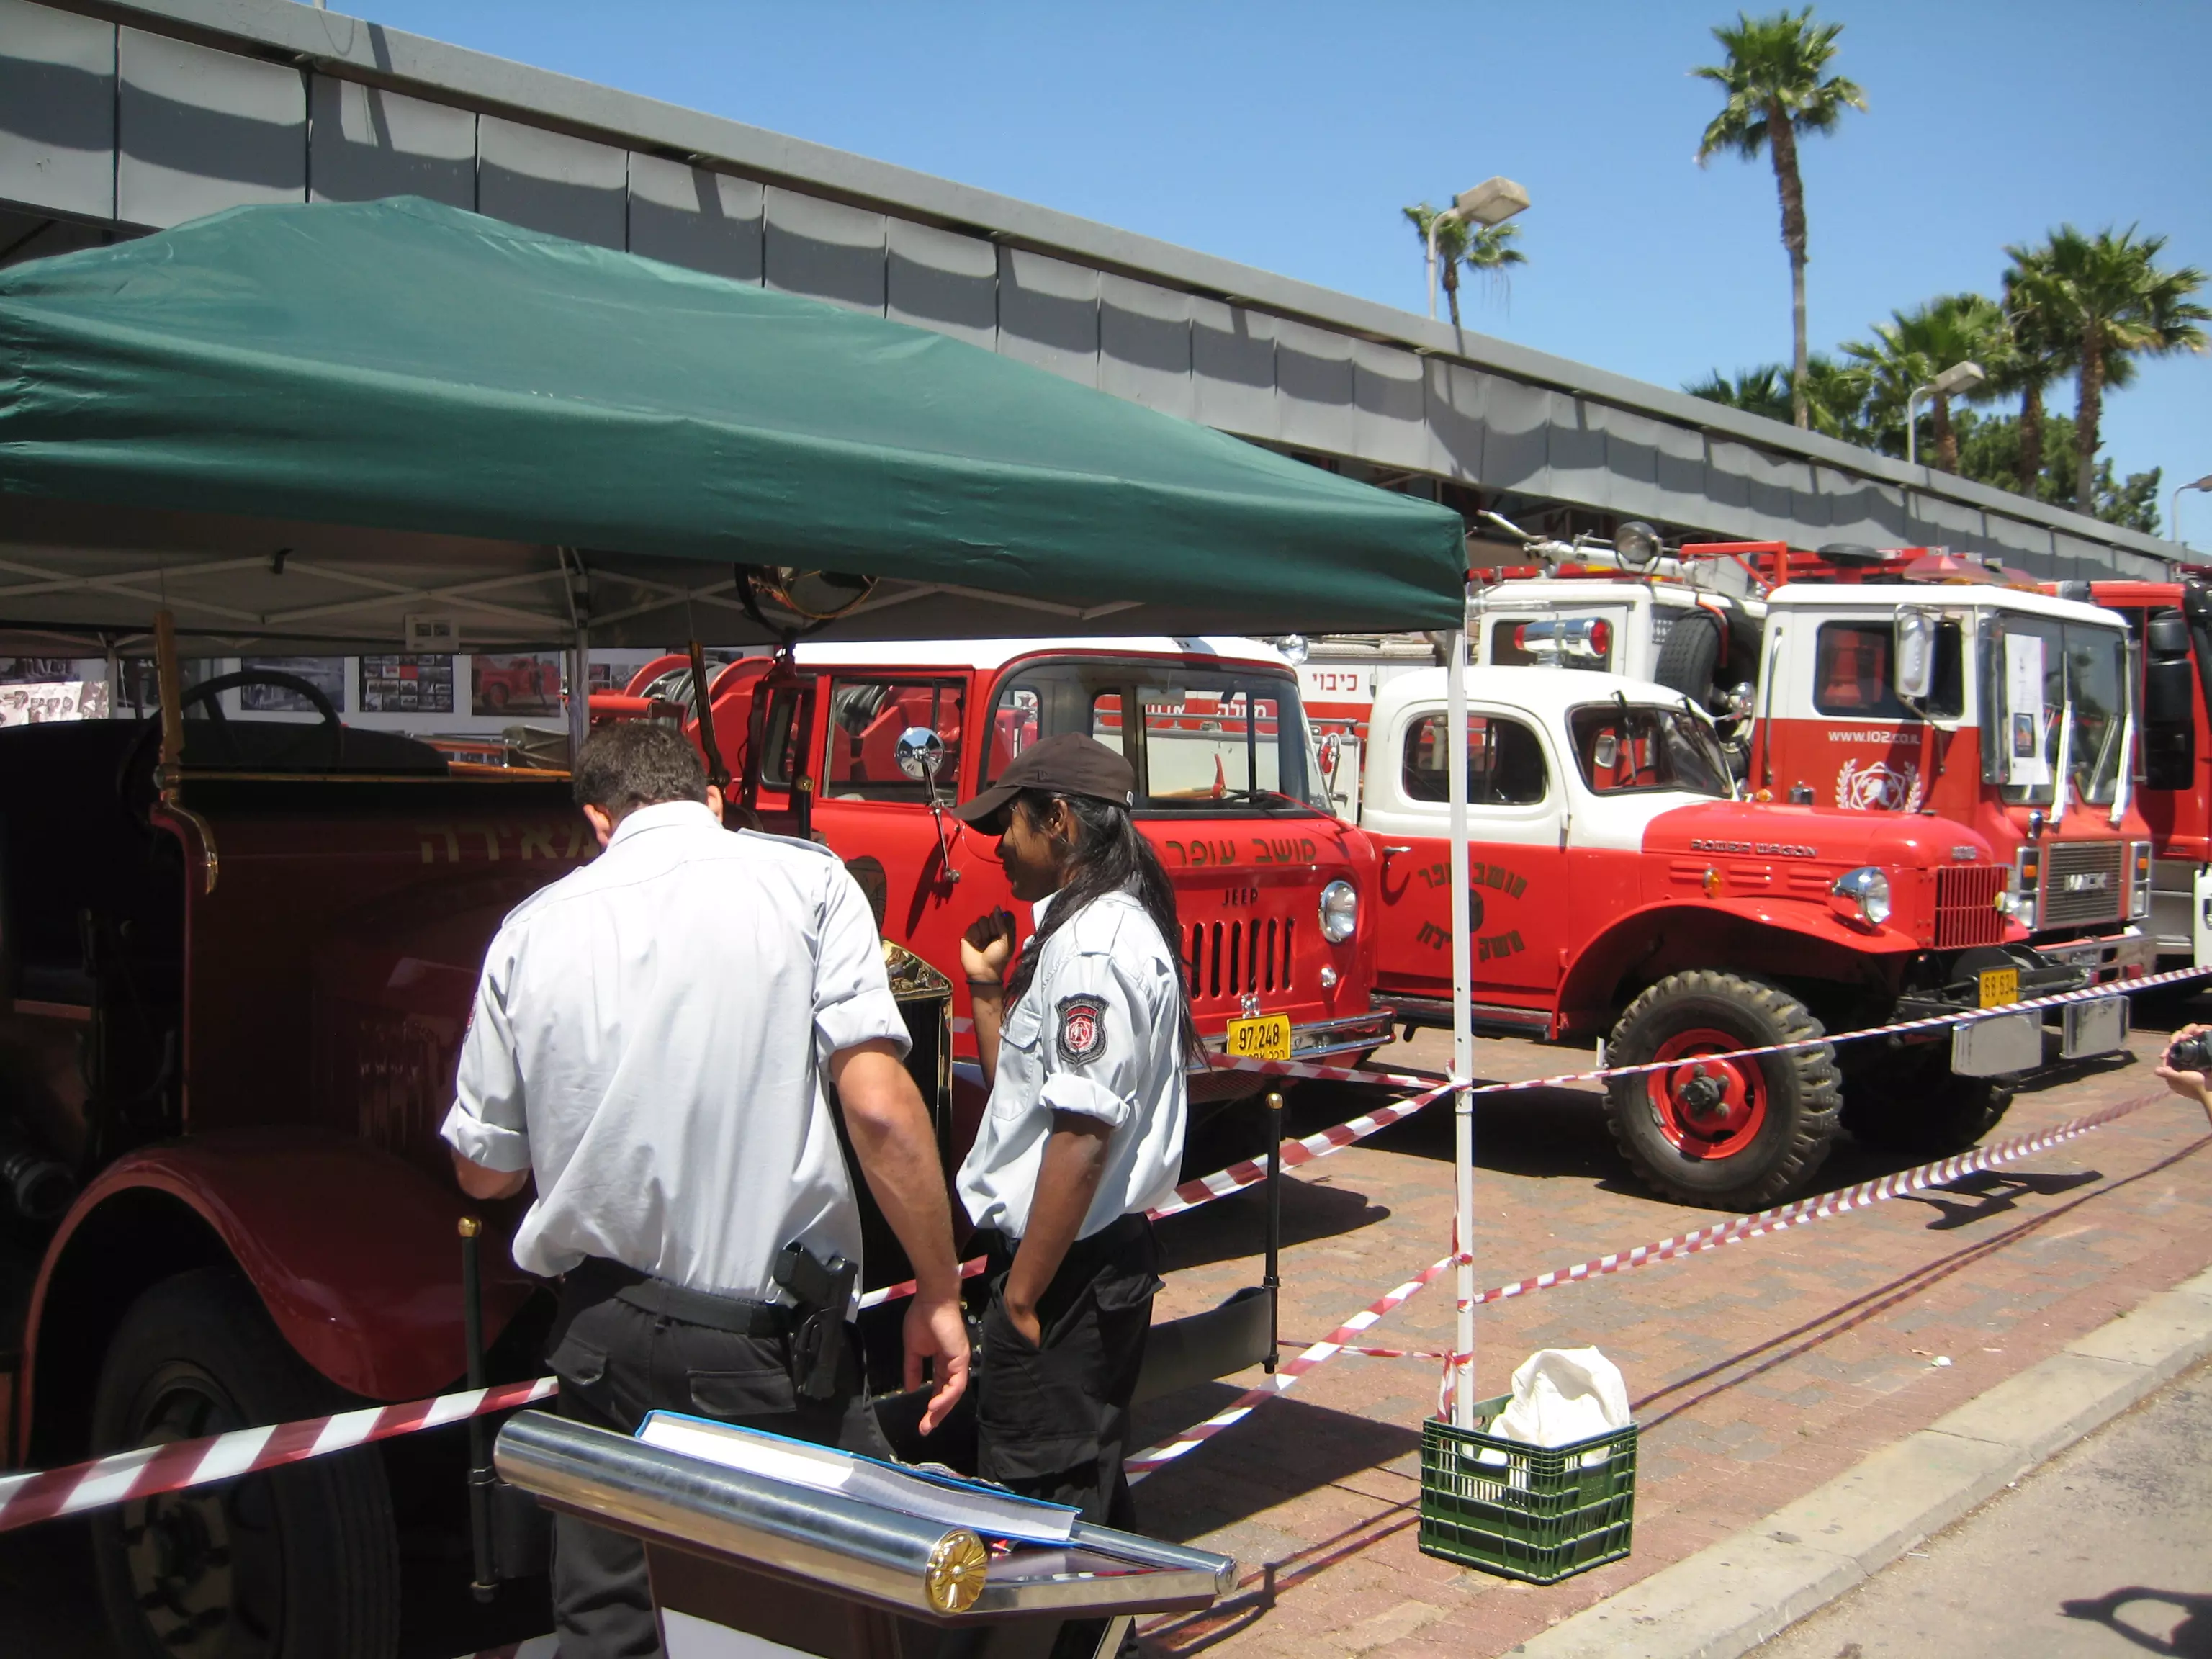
1541 1514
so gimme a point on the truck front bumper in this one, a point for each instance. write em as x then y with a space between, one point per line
2128 954
1326 1040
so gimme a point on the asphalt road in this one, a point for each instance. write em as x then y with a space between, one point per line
2104 1552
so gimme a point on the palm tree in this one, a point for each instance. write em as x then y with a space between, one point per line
1490 250
1772 79
2032 354
1835 399
1763 390
1914 347
1451 249
2107 295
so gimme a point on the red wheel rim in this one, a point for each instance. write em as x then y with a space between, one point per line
1707 1109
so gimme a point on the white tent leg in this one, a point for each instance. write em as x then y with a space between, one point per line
1462 1065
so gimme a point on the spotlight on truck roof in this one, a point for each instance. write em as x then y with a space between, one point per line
1636 544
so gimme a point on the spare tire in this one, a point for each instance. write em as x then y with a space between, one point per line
1692 656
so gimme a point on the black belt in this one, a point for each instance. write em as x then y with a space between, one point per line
597 1278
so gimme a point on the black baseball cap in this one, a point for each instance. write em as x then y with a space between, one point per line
1066 763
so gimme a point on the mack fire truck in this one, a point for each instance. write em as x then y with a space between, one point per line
2015 716
2170 626
1619 887
867 748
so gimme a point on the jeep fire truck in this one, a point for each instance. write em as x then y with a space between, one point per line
868 747
1619 888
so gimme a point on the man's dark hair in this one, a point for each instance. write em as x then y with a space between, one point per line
634 763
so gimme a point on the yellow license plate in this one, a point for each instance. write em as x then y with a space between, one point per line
2000 986
1267 1038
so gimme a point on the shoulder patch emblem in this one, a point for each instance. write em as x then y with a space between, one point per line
1082 1028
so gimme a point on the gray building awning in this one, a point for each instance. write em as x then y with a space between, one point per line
117 118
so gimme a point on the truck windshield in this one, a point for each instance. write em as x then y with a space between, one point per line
1222 741
1627 748
2046 672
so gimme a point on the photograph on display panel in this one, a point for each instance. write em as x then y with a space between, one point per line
527 684
326 674
407 685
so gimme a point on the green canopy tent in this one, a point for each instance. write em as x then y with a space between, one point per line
296 425
301 427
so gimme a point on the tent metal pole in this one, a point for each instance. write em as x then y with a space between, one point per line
1462 1064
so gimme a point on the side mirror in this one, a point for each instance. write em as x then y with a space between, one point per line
2167 636
1915 667
1741 700
921 752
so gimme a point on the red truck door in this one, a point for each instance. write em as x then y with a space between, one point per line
1518 905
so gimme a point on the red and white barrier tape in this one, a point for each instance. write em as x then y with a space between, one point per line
1286 1375
1334 1138
124 1476
1940 1173
1957 1017
1245 1172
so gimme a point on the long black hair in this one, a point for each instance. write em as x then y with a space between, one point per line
1107 856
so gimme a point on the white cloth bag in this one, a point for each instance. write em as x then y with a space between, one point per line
1561 1396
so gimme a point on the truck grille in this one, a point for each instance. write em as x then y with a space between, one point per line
1232 958
2083 882
1966 905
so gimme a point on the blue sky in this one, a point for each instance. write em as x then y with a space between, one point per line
1288 136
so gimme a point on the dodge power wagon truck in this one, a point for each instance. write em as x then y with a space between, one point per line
1619 888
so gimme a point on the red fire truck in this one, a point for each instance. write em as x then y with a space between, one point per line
2016 718
867 748
1620 888
2170 629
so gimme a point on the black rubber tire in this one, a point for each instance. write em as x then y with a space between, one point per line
1802 1087
298 1562
1915 1103
1690 657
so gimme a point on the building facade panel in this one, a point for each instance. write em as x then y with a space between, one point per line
824 250
1454 401
1313 388
1233 365
365 143
1389 395
57 110
696 217
942 280
1144 345
1048 313
549 181
1516 439
1575 450
199 131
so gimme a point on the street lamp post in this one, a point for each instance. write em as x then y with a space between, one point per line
1960 377
1492 202
2173 513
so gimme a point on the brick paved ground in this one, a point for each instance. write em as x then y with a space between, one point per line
1759 1370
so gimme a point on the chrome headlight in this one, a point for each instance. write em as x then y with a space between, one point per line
1339 912
2139 887
1861 895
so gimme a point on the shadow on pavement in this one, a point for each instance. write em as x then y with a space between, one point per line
2191 1638
1313 1446
1232 1228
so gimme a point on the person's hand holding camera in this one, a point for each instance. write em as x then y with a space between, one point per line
2186 1066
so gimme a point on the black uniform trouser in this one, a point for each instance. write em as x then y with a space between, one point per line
1052 1417
617 1362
